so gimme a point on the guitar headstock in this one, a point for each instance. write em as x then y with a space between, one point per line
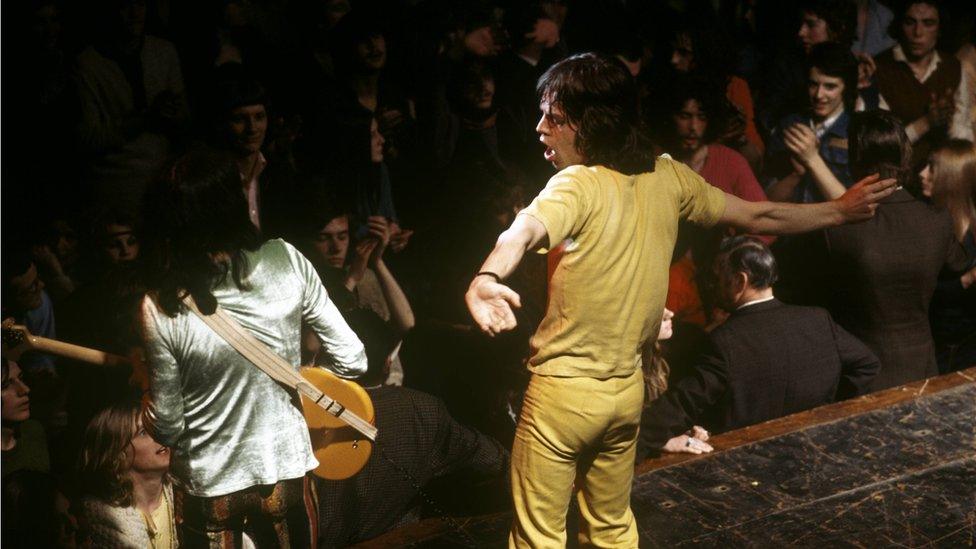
15 338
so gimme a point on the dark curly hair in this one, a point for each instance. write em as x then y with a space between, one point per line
600 99
196 211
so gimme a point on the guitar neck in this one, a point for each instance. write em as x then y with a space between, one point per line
75 352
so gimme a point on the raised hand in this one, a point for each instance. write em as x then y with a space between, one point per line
802 142
357 267
379 231
490 305
860 201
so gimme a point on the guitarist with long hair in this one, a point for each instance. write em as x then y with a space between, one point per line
241 448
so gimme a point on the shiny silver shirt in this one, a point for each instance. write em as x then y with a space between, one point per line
230 426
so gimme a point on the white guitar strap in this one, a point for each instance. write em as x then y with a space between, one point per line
272 364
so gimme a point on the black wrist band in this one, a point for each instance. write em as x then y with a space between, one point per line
497 278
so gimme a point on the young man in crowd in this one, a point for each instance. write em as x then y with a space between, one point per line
616 225
363 273
927 90
808 151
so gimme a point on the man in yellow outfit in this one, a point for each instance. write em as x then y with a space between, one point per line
616 224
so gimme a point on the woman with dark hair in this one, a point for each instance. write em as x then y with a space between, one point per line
238 441
882 273
24 445
949 181
123 473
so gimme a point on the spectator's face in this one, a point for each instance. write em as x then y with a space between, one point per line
372 52
667 326
926 178
559 137
690 125
731 286
27 289
480 42
121 244
47 26
480 94
15 399
813 31
133 17
148 456
335 10
682 54
247 126
920 29
332 243
826 93
65 245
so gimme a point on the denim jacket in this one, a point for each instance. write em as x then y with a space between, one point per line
833 149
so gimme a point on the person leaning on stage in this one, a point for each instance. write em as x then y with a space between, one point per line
768 360
620 214
240 445
422 442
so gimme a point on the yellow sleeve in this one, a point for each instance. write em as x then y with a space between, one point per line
698 202
563 205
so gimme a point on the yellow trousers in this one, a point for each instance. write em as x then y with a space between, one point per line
582 430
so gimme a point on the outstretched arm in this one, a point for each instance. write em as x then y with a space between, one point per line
489 301
857 204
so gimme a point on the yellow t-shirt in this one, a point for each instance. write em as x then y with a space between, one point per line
607 291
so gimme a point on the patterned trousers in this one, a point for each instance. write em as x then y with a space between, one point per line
284 514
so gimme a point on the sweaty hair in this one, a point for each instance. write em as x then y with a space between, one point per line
600 99
878 144
749 255
837 61
197 210
840 16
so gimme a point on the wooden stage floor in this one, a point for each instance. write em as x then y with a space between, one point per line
895 468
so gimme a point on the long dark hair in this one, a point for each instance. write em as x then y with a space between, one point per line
195 211
600 98
878 144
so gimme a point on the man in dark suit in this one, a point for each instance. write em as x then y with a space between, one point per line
882 273
418 441
768 360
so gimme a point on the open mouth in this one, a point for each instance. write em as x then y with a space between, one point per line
162 451
549 154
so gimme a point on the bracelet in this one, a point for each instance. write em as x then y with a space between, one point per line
497 278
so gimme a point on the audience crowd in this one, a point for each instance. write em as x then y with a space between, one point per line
391 142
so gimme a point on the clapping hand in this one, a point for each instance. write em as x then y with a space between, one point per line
379 233
941 108
802 143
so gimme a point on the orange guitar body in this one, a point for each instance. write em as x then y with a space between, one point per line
341 450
